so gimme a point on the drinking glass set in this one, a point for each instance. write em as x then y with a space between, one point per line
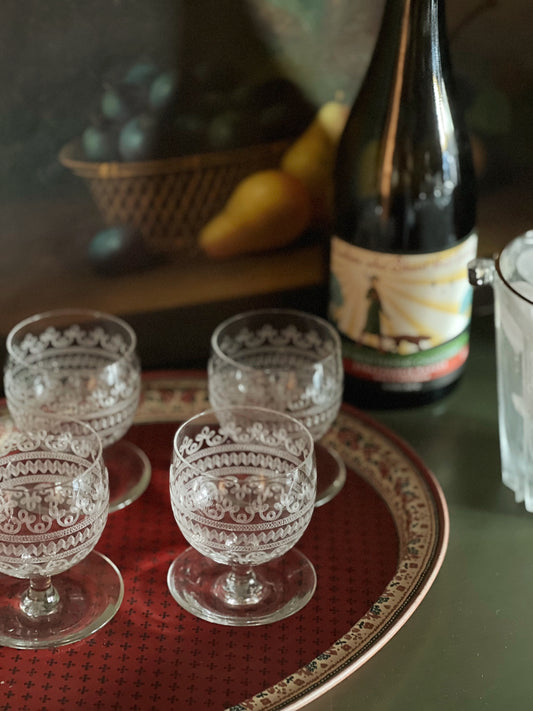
245 476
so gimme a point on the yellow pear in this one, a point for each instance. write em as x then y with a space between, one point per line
267 210
311 157
332 116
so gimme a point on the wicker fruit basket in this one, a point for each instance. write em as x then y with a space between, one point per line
168 200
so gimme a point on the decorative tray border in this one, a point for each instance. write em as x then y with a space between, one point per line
414 498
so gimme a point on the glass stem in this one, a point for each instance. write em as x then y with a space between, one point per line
40 599
241 587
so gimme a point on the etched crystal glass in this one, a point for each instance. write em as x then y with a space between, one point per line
242 487
54 500
285 360
81 364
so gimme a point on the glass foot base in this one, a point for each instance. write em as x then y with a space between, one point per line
129 473
288 584
90 594
330 472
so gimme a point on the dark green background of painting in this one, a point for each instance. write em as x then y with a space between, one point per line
55 55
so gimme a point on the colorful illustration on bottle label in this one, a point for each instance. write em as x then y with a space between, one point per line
402 311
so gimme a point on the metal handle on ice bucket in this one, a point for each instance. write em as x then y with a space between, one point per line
481 272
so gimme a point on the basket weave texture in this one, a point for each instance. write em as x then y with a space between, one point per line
169 200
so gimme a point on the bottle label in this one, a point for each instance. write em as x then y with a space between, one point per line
406 315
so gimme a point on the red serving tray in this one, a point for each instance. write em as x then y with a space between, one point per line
376 547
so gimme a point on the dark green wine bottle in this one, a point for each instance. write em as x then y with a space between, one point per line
405 219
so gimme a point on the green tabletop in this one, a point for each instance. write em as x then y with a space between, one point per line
469 644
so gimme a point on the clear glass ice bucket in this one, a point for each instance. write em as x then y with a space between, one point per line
511 276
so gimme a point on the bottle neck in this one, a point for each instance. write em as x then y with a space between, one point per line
404 176
414 26
417 68
411 56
